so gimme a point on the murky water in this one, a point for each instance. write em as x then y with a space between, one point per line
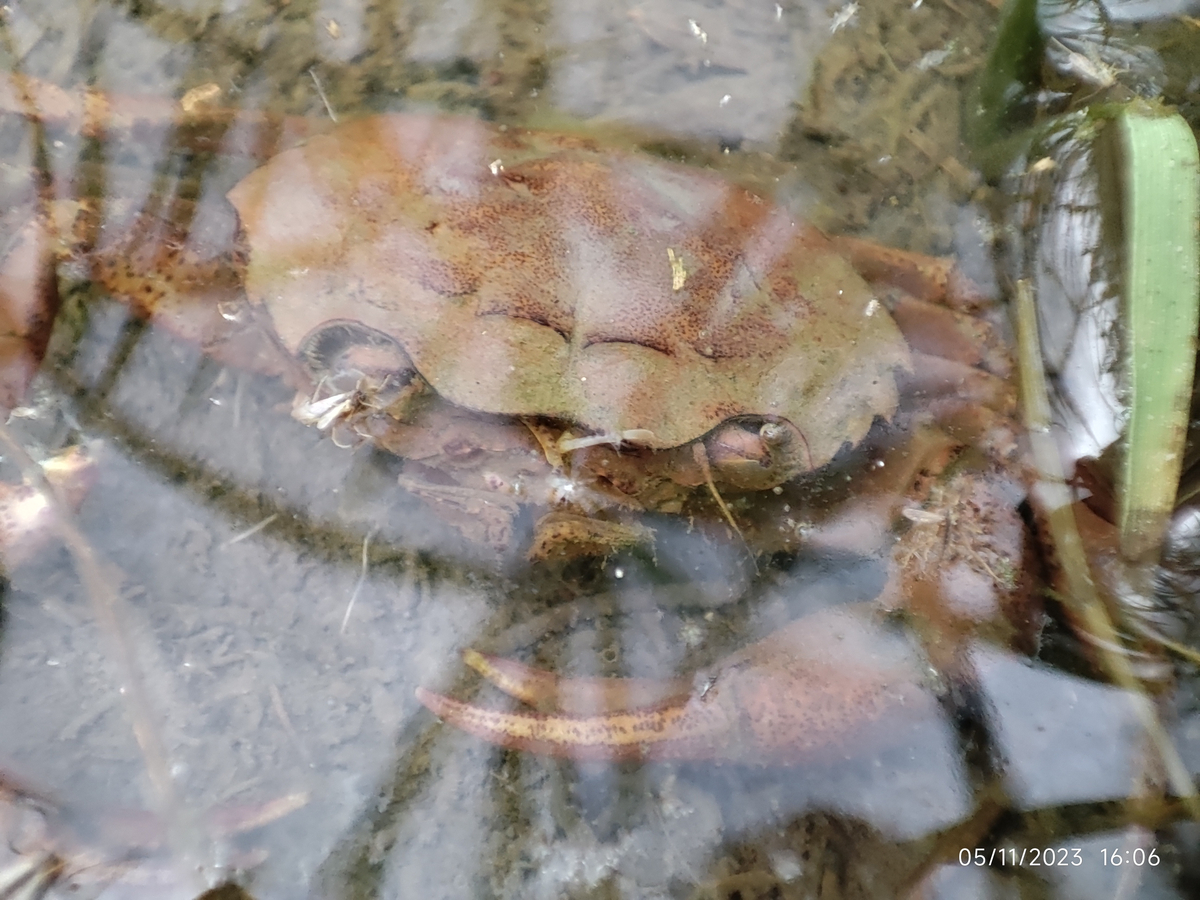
278 599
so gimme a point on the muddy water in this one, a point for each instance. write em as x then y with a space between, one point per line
284 597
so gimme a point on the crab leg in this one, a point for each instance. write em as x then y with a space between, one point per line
576 696
169 269
181 276
934 278
956 355
830 681
181 280
939 331
95 114
671 732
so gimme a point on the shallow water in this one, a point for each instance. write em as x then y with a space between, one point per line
281 660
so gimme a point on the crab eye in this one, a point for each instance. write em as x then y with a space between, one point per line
340 348
775 434
780 435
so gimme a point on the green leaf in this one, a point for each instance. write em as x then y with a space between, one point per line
1160 188
997 99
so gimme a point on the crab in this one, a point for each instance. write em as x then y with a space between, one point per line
530 320
649 334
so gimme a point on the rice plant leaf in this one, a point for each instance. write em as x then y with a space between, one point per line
1160 172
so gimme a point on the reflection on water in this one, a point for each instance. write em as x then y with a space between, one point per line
282 597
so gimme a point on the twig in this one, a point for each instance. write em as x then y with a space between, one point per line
252 530
362 577
1083 602
321 93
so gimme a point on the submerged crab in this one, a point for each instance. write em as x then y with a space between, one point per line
528 320
525 318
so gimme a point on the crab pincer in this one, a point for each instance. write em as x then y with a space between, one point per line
834 680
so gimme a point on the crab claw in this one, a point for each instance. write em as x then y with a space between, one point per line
834 680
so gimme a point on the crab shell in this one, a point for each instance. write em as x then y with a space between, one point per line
531 274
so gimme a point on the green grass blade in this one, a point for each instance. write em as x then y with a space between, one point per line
1161 217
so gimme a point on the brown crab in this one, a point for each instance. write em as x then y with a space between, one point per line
529 320
525 318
